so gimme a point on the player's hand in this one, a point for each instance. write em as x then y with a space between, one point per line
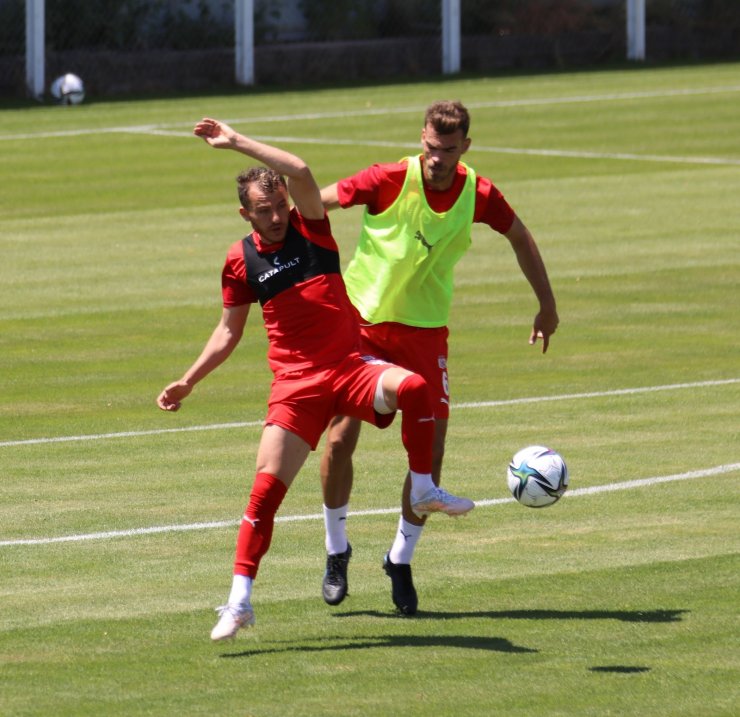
172 397
217 134
545 325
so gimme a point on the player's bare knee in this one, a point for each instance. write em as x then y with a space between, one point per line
341 441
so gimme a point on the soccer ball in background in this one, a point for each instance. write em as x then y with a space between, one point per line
537 476
68 89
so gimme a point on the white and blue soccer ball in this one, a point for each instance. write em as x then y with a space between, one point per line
68 89
537 476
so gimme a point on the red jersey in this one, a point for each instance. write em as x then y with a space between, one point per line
309 319
378 186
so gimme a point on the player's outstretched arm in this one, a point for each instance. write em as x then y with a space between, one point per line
530 261
301 183
223 341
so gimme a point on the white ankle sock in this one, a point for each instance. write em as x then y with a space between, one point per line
241 590
335 525
421 483
403 546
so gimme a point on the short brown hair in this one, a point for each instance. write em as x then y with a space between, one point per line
268 180
447 117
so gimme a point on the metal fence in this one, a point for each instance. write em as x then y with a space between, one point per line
158 46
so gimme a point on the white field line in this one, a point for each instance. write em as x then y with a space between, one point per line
129 434
577 492
475 404
541 152
599 394
413 146
387 111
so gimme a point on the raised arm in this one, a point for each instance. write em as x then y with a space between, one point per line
529 259
301 183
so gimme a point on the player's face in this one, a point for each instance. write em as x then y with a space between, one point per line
442 152
268 213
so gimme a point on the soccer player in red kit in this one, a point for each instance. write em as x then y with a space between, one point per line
289 263
416 226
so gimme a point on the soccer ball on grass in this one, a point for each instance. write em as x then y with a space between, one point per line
537 476
68 89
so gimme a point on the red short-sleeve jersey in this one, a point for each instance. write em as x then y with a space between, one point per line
378 186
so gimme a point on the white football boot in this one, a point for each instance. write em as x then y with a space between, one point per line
438 500
232 617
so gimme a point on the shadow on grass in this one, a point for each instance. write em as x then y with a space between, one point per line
621 669
494 644
622 615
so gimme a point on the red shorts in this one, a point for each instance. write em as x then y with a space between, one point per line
421 350
303 402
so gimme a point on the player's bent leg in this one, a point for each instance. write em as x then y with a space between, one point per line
417 431
438 452
409 393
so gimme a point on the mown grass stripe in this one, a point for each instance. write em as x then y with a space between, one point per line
474 404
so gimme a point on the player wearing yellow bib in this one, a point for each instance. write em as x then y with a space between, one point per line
403 268
416 226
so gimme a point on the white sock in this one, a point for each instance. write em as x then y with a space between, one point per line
335 525
241 590
404 545
421 483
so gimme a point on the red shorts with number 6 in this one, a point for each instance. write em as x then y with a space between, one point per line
421 350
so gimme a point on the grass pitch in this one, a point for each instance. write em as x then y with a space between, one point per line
117 521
